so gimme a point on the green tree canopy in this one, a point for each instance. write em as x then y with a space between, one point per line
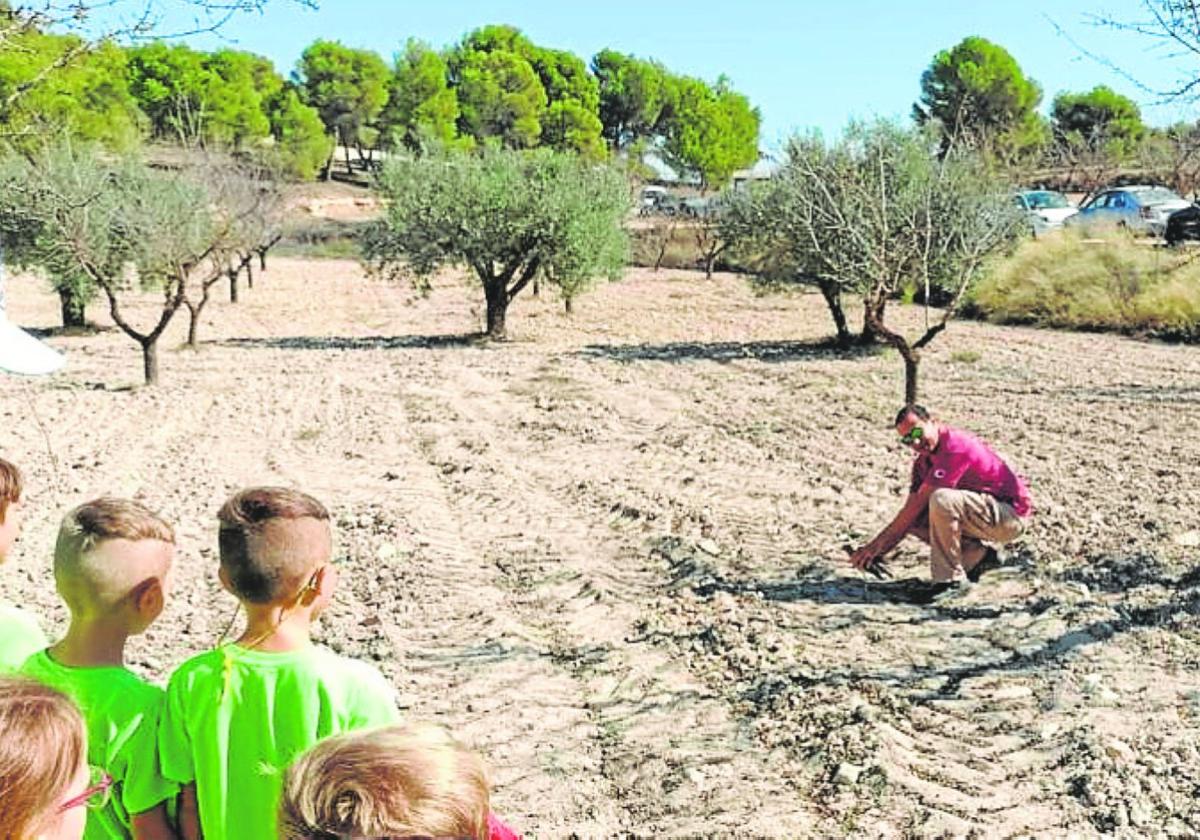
301 145
51 83
507 216
633 94
1099 117
570 126
500 96
711 131
978 95
348 87
422 109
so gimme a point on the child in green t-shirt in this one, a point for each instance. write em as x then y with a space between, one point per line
237 716
20 634
111 566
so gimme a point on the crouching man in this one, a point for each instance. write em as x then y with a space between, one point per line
962 495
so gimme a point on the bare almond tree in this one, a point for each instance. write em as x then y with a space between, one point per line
246 203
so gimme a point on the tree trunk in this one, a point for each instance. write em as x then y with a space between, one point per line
193 324
709 260
250 272
150 360
911 356
569 305
262 258
870 332
327 175
911 363
497 308
833 300
72 309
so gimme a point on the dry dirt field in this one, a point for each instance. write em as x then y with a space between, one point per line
608 552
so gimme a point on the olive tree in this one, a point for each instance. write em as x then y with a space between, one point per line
122 225
507 216
882 210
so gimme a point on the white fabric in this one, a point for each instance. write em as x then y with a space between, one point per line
19 351
22 353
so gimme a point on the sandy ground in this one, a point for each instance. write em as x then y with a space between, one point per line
607 552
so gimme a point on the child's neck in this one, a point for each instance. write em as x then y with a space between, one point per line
94 643
276 630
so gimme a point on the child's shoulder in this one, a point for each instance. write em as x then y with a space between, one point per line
340 668
21 636
200 665
12 616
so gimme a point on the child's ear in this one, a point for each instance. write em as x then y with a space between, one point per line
150 598
323 582
223 576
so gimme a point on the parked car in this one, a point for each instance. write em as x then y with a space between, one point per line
1184 225
651 196
701 208
1045 209
1142 209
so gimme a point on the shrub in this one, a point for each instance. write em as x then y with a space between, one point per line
1118 283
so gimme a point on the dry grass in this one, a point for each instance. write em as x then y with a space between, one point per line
1116 283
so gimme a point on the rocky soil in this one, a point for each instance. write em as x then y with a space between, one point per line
608 552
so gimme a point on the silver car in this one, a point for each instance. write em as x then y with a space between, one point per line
1045 209
1142 209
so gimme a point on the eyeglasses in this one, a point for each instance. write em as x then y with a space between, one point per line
914 435
95 795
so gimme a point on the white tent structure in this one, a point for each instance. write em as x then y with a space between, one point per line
20 352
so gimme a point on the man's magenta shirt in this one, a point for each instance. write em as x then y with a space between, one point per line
962 461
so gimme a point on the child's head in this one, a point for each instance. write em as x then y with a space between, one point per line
43 763
11 487
398 781
112 561
275 546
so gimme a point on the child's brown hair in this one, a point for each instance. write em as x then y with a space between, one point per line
398 781
81 582
12 484
42 747
265 552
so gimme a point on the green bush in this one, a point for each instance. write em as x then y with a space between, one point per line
1117 283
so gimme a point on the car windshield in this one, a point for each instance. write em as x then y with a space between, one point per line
1046 200
1156 195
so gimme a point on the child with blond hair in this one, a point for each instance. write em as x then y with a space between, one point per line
238 715
398 781
112 560
45 783
20 634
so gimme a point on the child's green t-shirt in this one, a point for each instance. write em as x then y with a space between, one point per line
122 713
20 636
236 718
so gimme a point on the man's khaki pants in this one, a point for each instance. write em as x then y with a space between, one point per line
959 522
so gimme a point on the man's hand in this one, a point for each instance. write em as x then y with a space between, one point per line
862 557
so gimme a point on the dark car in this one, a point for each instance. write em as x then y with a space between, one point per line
1184 225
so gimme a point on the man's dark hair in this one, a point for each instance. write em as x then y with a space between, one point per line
916 410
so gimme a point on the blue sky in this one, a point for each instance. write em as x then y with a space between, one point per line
805 64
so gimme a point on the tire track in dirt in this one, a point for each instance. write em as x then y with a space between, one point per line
450 642
666 738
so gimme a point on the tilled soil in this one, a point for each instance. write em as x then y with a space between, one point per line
608 553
